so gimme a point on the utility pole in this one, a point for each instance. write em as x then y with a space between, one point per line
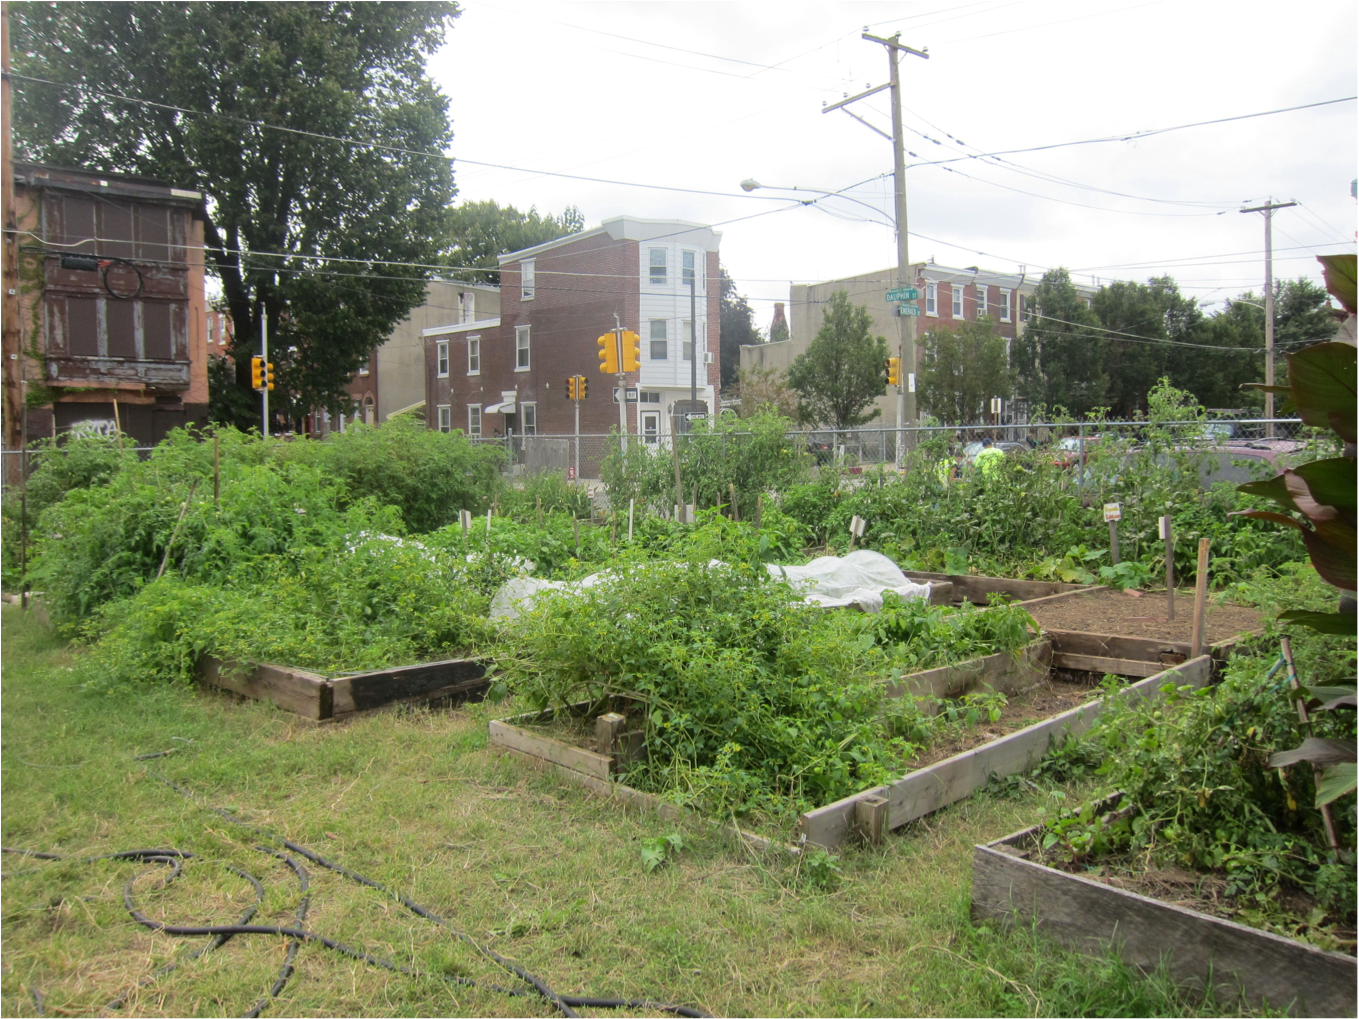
906 409
264 353
12 347
622 386
1268 209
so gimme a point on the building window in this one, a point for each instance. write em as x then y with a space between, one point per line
687 269
957 300
687 331
445 417
365 370
527 281
474 355
658 264
981 299
932 298
474 420
1005 307
650 397
441 358
521 348
660 350
528 418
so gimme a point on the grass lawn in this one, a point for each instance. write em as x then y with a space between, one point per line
535 869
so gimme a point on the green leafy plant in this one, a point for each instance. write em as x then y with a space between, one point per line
1127 575
1084 833
819 869
656 851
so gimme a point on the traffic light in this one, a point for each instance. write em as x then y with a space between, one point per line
269 375
608 354
894 371
632 351
571 387
582 384
257 372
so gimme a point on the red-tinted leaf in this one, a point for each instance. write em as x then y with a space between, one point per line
1271 488
1335 565
1277 518
1322 380
1318 751
1331 481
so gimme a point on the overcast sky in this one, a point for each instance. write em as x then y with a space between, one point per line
704 95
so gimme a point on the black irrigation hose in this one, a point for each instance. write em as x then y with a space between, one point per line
565 1004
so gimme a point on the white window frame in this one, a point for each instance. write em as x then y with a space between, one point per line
528 411
652 418
686 271
1006 305
981 299
686 340
662 278
528 279
932 298
474 355
445 417
957 308
522 358
663 339
441 359
474 420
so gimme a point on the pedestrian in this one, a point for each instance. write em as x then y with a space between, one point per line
988 458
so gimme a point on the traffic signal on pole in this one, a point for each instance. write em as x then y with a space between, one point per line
257 372
632 351
894 371
608 354
582 384
269 375
571 387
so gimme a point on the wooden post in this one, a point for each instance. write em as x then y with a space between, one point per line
175 533
1170 566
870 818
607 730
216 468
117 424
735 513
694 513
759 506
539 500
631 505
1113 542
465 518
613 527
1200 600
575 528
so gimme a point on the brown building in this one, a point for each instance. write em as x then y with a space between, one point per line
507 374
112 311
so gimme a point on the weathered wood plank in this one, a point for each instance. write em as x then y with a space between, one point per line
1112 666
1048 599
376 689
1108 645
979 589
531 744
1005 672
1089 916
303 693
921 792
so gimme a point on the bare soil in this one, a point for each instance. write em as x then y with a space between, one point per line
1143 615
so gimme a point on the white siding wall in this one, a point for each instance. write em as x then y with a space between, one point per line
671 303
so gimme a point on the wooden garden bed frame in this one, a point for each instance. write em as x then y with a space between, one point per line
978 590
324 699
1196 948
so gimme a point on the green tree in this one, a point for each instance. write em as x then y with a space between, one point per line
963 369
273 198
1059 359
479 231
843 370
1159 312
736 328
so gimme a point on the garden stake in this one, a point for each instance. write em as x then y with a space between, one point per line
613 528
575 528
631 502
735 513
1200 600
1113 542
695 504
539 500
216 468
1307 727
117 426
759 505
1170 567
175 533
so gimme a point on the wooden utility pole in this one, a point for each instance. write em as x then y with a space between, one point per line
11 345
1268 209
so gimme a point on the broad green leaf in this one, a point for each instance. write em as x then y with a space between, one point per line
1277 518
1340 273
1336 565
1332 696
1271 488
1318 751
1336 781
1324 622
1322 380
1332 482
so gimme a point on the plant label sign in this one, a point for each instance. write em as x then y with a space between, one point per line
910 382
857 526
1112 511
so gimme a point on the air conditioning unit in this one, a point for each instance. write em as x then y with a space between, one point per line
707 357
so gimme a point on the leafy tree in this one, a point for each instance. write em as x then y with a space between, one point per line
963 369
1156 311
1060 359
272 197
736 328
843 370
479 231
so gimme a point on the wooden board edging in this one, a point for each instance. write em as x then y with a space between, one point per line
1006 672
978 589
922 792
1090 916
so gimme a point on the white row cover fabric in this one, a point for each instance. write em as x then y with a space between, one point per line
858 579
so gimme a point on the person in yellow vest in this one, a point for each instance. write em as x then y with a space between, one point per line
988 459
944 470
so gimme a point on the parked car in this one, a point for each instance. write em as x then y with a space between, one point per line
1068 450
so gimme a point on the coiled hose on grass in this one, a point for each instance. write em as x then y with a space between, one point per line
298 935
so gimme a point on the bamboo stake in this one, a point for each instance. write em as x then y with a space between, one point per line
175 533
631 503
1200 599
117 425
1170 567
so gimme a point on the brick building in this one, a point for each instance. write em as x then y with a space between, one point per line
111 306
507 374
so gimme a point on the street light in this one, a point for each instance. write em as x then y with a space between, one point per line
751 184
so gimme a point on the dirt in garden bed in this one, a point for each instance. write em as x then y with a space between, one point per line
1051 696
1294 913
1118 612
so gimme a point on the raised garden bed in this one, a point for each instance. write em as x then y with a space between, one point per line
333 699
1011 887
1103 610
